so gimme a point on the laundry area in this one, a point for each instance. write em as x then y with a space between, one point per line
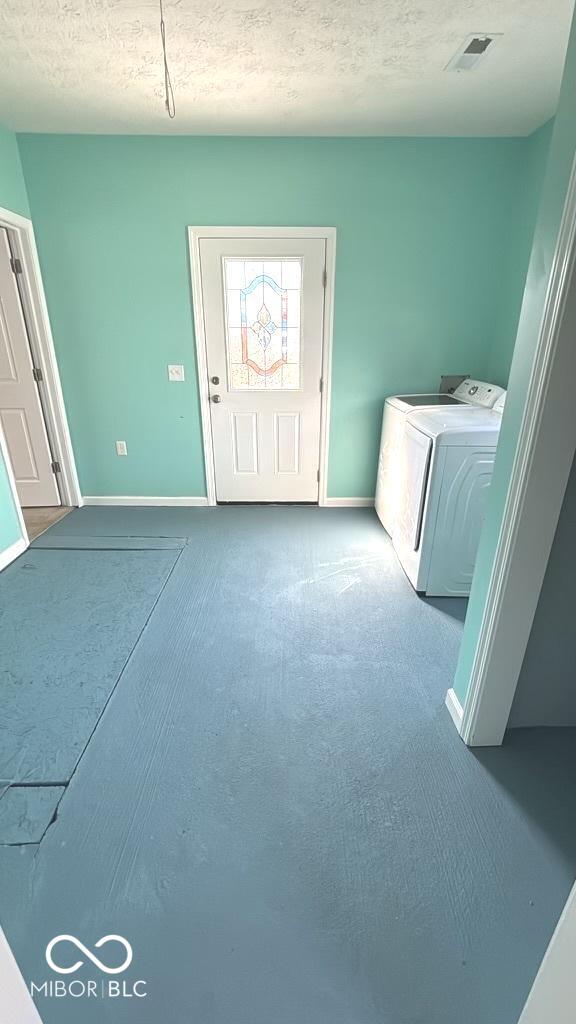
435 466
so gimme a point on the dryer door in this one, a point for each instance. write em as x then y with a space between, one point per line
461 510
414 472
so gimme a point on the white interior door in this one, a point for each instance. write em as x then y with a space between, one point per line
263 302
20 408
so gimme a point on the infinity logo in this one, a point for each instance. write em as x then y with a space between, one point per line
80 945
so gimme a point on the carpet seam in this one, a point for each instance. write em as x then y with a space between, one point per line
123 669
109 698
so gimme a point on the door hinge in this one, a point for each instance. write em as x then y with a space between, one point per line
321 383
324 277
318 475
37 374
56 467
16 265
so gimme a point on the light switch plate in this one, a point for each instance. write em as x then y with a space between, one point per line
121 448
175 371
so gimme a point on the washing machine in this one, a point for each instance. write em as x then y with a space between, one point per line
396 409
445 469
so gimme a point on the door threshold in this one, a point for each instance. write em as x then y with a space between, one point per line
38 519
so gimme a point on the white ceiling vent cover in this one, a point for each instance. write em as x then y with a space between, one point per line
472 52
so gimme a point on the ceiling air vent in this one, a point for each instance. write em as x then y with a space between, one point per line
473 50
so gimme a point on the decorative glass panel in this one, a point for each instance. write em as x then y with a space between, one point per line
263 323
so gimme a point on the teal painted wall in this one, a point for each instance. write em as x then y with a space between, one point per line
522 225
12 197
559 165
546 694
428 245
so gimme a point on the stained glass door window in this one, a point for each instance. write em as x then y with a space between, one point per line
263 299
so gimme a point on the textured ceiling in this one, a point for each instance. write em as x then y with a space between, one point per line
280 67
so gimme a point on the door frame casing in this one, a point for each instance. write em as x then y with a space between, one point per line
553 992
328 235
9 554
544 455
23 244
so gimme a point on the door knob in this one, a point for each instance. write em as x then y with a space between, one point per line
216 398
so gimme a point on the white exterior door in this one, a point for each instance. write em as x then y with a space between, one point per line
263 301
20 409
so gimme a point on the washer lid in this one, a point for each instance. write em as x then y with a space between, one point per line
408 402
466 425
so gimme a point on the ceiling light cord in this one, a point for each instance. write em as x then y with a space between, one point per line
169 91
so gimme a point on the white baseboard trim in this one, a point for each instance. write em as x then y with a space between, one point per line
135 501
455 708
349 502
12 552
123 499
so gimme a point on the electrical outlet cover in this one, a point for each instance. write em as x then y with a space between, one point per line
175 372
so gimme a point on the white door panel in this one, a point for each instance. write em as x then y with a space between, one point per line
287 442
15 426
245 442
263 302
20 409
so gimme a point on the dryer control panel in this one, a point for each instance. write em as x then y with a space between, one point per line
478 392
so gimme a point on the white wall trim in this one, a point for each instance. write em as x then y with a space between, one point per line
23 243
553 994
20 545
11 553
348 502
127 499
12 482
143 501
327 340
9 219
195 234
455 708
546 446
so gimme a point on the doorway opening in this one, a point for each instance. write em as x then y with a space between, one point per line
35 439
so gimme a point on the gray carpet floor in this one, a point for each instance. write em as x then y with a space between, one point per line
274 807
